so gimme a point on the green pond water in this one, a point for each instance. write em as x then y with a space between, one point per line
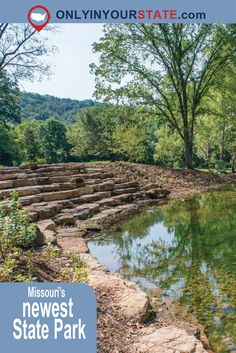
188 249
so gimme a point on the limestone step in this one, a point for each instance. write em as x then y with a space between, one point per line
91 197
105 186
124 191
116 200
35 179
67 231
59 167
46 171
97 181
51 196
33 190
10 170
127 185
109 215
44 211
83 211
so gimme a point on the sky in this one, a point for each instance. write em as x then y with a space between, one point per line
70 66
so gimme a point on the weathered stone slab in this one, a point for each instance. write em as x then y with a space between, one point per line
130 184
48 231
106 186
67 194
131 300
23 191
73 244
65 218
6 184
46 224
168 339
124 191
158 193
94 197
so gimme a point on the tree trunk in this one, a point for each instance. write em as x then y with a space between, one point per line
188 151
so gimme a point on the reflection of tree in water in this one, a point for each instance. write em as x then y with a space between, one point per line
201 259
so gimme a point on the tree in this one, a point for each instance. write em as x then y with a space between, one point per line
169 149
9 100
21 48
53 140
216 128
92 134
27 134
112 132
9 151
169 67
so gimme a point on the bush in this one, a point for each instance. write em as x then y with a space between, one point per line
16 229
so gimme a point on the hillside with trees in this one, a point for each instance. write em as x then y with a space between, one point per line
43 107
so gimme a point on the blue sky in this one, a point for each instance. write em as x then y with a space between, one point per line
71 77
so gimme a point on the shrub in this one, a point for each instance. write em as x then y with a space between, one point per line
16 229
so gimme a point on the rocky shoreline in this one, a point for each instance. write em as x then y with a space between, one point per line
72 201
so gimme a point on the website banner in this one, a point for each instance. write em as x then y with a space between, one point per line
105 11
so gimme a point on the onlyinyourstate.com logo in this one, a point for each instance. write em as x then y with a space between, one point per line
38 17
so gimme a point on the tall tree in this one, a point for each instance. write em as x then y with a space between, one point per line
21 49
27 134
9 100
170 67
54 143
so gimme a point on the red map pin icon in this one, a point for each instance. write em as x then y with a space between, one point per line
38 17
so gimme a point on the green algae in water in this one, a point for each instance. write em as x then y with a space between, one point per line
187 248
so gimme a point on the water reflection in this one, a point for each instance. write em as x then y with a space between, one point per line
188 248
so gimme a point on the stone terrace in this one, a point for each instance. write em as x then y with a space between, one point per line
83 196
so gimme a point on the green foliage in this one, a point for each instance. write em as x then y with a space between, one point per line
9 100
91 136
27 134
112 132
55 147
16 234
43 107
172 94
9 114
9 149
170 67
169 149
16 229
74 269
216 127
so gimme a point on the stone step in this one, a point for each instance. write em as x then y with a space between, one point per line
91 197
98 181
94 170
51 196
13 176
105 186
124 191
116 200
48 170
43 210
10 170
59 167
67 194
127 185
67 231
96 222
33 190
83 211
35 179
